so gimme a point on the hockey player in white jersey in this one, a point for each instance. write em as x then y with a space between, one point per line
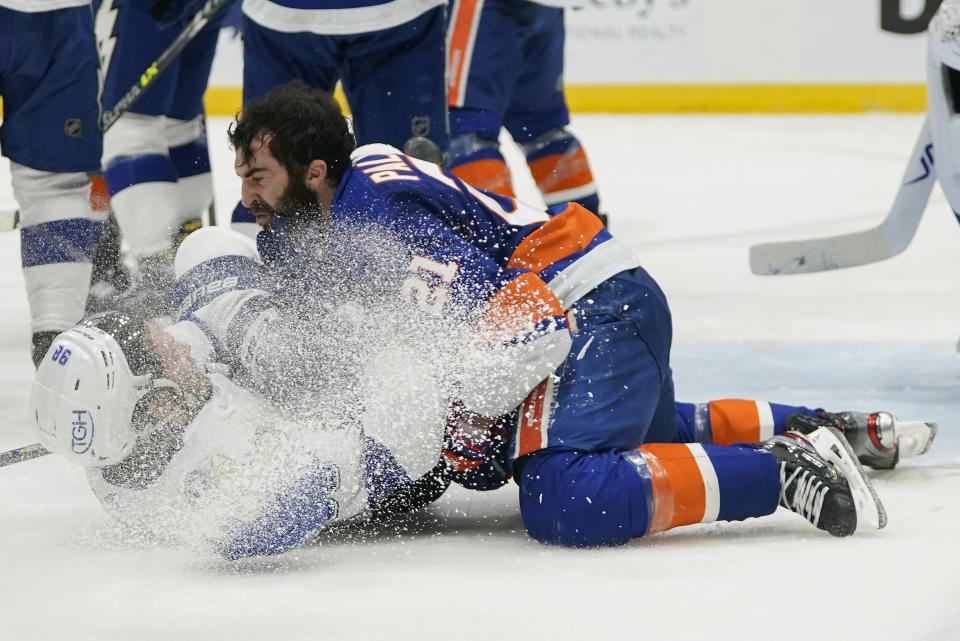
173 443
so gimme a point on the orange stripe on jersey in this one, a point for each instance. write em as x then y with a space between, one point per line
533 420
560 172
461 33
515 309
490 174
566 233
99 196
738 421
678 491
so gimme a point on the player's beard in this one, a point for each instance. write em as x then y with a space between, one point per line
299 205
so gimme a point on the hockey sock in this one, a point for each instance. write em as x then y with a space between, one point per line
728 421
58 233
477 161
191 160
489 174
559 167
194 184
143 192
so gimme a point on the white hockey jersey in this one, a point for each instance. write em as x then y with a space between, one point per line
247 479
253 477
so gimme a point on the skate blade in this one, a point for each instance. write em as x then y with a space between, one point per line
833 447
914 437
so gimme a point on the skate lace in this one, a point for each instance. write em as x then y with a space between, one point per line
808 495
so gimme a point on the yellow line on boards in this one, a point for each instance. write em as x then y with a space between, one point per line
225 101
746 98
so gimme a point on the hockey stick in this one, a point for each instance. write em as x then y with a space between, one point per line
21 454
887 239
199 21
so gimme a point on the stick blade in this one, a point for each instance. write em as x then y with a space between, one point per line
821 254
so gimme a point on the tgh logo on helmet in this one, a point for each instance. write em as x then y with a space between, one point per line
81 434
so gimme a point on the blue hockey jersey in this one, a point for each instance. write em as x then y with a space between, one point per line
507 269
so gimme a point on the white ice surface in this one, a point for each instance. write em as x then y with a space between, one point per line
691 194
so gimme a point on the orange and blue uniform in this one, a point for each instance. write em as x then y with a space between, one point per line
593 435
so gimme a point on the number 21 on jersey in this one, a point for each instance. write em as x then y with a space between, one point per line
421 286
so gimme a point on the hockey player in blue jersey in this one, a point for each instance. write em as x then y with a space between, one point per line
52 137
578 338
556 372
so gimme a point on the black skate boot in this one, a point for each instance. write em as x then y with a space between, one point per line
811 486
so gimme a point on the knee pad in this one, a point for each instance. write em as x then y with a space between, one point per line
39 192
579 499
135 135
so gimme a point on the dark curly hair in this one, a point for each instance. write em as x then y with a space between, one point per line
303 124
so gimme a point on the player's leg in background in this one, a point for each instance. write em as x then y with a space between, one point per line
273 58
186 127
537 118
140 174
395 82
151 205
51 134
484 57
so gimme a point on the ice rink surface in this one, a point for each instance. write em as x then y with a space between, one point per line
690 194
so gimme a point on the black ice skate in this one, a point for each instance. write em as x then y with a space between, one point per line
821 480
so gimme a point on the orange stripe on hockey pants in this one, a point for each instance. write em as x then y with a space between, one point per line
461 32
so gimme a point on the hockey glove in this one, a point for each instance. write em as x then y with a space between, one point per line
474 449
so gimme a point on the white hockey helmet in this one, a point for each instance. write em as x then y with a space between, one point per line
85 392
